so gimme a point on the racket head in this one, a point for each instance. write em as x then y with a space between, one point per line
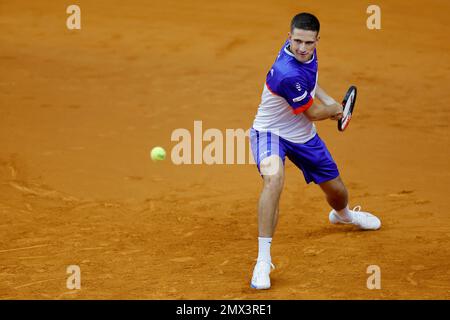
348 104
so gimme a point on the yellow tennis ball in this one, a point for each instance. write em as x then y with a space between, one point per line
158 153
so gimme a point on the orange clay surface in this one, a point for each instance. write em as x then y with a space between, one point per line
80 111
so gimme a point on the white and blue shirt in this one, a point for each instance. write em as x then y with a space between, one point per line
289 91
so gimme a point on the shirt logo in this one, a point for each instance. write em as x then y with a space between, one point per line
271 72
300 98
297 85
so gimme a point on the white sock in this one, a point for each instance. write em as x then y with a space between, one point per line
264 249
345 214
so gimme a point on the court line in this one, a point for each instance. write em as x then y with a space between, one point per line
24 248
36 282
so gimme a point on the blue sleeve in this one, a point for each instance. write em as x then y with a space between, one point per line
293 90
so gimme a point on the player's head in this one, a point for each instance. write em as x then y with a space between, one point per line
304 35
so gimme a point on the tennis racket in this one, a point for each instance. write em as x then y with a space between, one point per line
348 104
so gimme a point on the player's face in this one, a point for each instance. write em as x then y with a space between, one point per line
303 43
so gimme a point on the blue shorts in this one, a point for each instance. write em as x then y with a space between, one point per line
312 157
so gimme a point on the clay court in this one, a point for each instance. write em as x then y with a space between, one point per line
80 111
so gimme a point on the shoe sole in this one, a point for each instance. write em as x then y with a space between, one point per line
348 223
255 287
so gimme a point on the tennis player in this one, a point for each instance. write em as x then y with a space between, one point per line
284 126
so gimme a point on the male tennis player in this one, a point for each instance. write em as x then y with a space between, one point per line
284 126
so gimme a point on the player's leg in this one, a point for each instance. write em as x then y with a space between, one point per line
337 197
336 193
269 155
267 218
275 218
270 195
318 166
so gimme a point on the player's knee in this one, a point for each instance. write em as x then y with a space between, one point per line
340 192
274 181
336 191
272 166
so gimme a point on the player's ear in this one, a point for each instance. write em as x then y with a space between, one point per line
289 35
317 38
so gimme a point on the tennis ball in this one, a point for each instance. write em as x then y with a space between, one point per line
158 153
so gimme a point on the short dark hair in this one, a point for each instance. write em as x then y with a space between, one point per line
305 21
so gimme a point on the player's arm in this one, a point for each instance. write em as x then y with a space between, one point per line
323 96
301 101
330 109
319 112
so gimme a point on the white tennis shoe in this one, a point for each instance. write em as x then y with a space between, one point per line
361 219
261 278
